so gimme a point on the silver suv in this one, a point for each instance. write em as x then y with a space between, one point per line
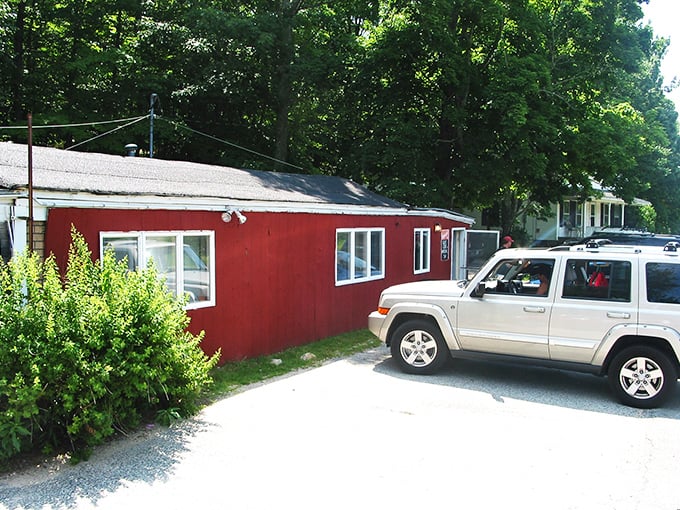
611 311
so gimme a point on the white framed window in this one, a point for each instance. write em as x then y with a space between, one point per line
184 259
572 214
605 215
421 250
359 255
593 215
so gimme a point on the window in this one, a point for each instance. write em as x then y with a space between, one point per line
359 255
421 250
572 214
605 215
185 260
663 282
597 279
520 276
617 215
593 215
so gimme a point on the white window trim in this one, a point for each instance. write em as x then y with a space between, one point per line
179 254
352 232
420 260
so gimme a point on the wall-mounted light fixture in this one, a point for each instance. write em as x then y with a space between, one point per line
241 218
437 227
227 215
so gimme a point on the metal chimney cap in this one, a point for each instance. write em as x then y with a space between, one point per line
131 149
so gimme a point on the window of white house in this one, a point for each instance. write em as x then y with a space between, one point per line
593 215
604 215
572 214
359 255
185 260
421 250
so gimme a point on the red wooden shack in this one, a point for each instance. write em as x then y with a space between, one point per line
269 260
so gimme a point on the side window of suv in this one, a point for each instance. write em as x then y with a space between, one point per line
597 279
663 282
520 276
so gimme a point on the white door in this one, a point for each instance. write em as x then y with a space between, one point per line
594 302
458 254
511 317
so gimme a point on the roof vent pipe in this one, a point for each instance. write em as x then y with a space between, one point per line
131 150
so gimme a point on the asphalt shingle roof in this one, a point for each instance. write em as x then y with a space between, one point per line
68 171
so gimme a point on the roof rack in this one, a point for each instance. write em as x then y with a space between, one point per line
596 243
612 248
670 248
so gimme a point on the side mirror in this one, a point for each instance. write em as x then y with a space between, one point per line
479 291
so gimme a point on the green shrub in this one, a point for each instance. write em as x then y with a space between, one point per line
97 352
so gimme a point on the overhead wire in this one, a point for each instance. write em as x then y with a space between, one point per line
178 125
108 132
82 124
133 120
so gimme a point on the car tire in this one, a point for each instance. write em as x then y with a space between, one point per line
642 377
419 347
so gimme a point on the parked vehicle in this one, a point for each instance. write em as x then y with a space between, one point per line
628 237
609 310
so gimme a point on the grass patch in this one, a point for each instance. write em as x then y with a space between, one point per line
233 375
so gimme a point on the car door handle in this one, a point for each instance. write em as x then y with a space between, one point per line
618 315
534 309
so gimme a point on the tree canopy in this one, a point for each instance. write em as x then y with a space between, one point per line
443 103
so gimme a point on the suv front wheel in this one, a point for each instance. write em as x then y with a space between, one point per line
419 348
642 376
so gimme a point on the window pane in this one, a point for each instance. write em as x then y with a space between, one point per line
360 254
417 251
196 264
426 250
520 276
124 248
421 251
342 256
597 279
162 250
377 265
663 283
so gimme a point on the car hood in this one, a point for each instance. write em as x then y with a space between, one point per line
448 288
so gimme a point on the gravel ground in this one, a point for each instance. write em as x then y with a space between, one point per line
358 433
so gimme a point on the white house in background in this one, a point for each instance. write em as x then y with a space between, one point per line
573 218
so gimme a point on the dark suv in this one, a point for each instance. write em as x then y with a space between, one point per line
628 237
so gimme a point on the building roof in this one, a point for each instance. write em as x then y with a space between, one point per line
84 179
608 196
68 171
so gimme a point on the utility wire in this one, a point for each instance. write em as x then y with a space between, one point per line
176 124
75 125
108 132
134 120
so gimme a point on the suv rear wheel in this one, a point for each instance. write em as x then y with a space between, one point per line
642 376
419 347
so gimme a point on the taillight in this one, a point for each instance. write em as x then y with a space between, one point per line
383 311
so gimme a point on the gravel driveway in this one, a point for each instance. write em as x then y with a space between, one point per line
357 433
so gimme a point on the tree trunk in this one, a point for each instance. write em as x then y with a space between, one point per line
283 78
18 61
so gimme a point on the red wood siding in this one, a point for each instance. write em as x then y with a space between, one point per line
275 274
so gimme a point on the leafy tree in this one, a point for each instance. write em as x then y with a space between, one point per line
447 103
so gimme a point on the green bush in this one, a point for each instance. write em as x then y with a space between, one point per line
96 352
